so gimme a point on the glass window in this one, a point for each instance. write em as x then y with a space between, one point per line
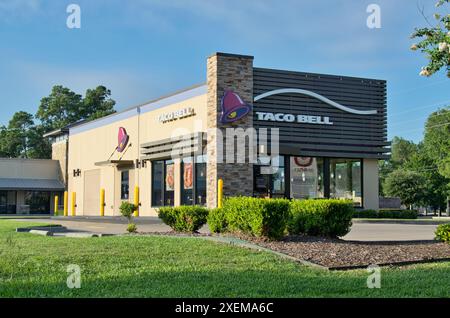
157 183
187 181
193 181
345 180
200 180
306 178
38 202
169 184
7 202
269 180
125 185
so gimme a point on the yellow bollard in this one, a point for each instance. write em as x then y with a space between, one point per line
56 205
66 203
102 202
220 193
74 198
136 200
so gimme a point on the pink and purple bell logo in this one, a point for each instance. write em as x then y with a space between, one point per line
233 107
123 139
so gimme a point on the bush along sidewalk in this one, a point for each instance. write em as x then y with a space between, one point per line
443 233
328 217
386 214
251 216
269 218
184 218
127 209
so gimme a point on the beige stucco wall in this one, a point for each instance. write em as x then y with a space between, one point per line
96 145
370 184
59 153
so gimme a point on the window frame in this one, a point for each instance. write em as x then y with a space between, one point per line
163 183
194 162
122 183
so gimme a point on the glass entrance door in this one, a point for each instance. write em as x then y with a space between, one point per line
306 176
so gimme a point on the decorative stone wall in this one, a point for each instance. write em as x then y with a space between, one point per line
227 72
60 152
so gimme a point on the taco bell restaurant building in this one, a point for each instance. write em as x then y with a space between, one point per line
331 131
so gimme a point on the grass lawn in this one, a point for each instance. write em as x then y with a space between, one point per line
35 266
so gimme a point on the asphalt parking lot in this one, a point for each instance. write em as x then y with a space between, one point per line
379 231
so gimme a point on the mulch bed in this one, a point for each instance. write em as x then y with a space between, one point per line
339 254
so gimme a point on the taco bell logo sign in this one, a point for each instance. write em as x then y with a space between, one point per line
123 139
233 107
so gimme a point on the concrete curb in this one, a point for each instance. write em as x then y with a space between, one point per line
41 232
399 221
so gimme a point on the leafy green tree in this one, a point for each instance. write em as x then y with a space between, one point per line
437 139
401 151
407 185
63 106
437 144
15 138
97 103
435 42
38 147
59 109
435 185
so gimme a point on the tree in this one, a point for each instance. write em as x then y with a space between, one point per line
15 138
437 144
59 109
435 42
407 185
401 151
435 185
437 139
63 106
38 147
97 103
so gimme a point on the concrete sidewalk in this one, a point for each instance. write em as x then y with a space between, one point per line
104 225
359 232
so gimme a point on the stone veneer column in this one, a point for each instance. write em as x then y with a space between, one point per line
227 72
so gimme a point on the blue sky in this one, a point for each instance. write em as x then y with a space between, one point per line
142 49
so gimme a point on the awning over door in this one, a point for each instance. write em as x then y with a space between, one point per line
115 163
31 184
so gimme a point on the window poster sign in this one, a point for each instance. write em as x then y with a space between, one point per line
188 176
304 177
170 179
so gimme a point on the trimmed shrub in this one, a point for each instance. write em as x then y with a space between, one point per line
443 233
386 214
127 209
329 217
216 221
132 228
185 218
256 216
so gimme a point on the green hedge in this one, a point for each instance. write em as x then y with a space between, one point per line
331 218
386 214
443 233
253 216
184 218
216 221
